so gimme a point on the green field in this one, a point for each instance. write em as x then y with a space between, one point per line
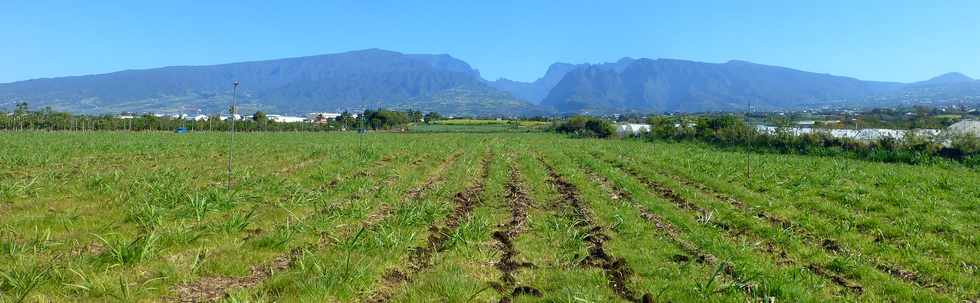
448 217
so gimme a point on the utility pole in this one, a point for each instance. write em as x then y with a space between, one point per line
231 140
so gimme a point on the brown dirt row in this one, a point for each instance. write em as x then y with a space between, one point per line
290 169
829 245
430 183
667 229
617 270
435 178
420 258
518 201
775 252
211 289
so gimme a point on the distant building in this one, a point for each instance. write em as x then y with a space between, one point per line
223 118
866 134
808 123
312 116
632 129
197 118
321 118
285 119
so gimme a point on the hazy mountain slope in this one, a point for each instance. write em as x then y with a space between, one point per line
536 91
660 85
476 100
326 82
376 78
947 78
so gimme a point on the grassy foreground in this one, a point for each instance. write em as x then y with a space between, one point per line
460 217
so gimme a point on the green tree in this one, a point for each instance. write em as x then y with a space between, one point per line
260 117
21 108
432 117
585 126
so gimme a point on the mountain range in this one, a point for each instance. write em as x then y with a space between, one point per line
377 78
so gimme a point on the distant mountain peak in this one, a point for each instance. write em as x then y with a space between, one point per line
738 62
948 78
559 67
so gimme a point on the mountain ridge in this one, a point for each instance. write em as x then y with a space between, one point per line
673 85
348 80
374 78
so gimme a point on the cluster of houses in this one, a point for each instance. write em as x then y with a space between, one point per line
321 117
965 127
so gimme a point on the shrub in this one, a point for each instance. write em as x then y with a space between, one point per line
585 126
730 131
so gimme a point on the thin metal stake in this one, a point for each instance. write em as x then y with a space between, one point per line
748 154
231 142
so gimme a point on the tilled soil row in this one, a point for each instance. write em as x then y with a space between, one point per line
776 252
518 201
437 177
430 183
420 258
211 289
672 234
290 169
829 245
616 270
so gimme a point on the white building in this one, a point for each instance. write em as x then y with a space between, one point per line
237 117
632 129
197 118
867 134
314 116
285 119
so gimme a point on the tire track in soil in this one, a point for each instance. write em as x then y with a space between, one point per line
211 289
420 258
518 201
829 245
774 251
616 270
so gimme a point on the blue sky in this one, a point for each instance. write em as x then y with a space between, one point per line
874 40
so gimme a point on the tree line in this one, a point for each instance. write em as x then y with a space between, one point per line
728 131
49 120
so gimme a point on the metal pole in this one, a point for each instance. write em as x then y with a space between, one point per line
748 154
231 142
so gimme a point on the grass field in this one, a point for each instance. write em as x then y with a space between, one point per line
387 217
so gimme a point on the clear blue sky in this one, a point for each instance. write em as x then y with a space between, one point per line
874 40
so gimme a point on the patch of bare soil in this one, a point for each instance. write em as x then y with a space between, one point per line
616 269
290 169
433 179
91 249
420 259
518 201
212 289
